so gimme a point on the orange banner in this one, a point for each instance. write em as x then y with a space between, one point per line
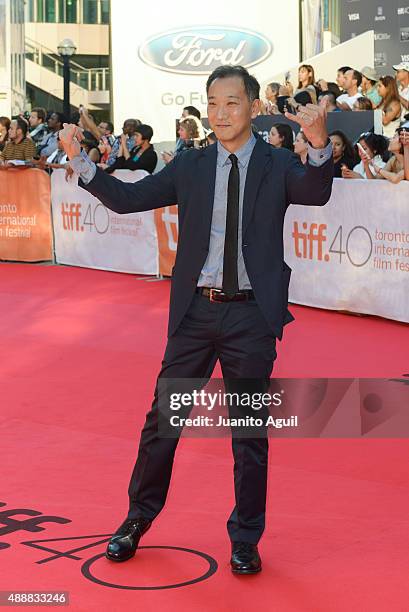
166 221
25 215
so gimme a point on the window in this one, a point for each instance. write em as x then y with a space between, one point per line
71 11
50 16
67 11
30 11
40 11
90 11
104 11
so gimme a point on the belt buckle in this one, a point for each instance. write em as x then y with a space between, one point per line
212 294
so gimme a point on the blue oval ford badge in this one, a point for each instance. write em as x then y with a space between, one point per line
200 50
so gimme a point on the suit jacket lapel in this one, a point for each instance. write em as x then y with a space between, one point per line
206 179
258 166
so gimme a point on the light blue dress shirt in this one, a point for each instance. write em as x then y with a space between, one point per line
212 272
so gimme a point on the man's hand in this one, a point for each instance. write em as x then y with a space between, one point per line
71 136
68 172
322 84
313 121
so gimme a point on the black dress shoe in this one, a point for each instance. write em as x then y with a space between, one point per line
245 558
123 544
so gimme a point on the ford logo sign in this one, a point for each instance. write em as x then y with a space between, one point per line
200 49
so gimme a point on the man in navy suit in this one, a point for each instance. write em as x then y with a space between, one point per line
229 289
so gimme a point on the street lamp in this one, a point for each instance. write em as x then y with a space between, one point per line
66 49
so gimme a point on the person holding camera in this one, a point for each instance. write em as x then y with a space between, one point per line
188 135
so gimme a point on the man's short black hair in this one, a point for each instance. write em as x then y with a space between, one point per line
61 117
22 125
134 122
110 126
344 69
251 85
192 110
145 131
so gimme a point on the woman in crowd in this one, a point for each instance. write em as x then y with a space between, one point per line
281 136
4 131
390 105
272 93
141 157
188 134
306 80
362 104
375 151
301 146
343 152
394 171
90 145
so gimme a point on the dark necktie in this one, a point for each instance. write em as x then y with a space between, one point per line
230 275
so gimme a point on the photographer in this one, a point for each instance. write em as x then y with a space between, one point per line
188 135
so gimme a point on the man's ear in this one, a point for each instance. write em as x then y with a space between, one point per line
255 108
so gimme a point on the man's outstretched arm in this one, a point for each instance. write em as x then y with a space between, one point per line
150 192
311 184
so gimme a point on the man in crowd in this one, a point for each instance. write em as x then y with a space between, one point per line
341 76
106 129
229 287
328 100
38 126
402 78
19 146
189 111
352 82
368 86
49 144
127 138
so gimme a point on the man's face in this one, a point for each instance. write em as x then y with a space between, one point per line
349 79
33 120
402 75
341 79
230 111
54 122
13 130
128 128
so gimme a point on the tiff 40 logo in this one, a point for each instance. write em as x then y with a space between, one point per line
311 241
74 219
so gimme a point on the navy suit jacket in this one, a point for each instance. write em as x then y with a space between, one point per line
275 179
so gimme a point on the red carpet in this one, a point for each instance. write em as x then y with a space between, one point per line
81 350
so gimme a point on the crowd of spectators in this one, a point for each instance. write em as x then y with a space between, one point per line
34 137
372 156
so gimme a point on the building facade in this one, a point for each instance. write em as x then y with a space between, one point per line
86 23
12 63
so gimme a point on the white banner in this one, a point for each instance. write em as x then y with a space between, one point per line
163 53
89 235
353 253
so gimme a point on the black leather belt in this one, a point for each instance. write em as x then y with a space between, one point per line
217 295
